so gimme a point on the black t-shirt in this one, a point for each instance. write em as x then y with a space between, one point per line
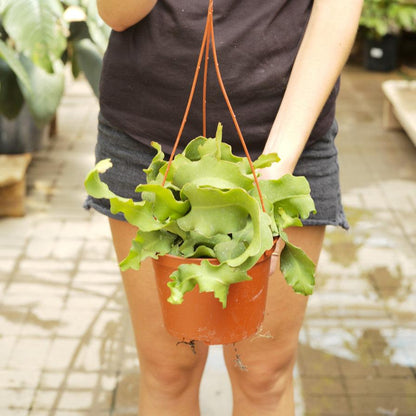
148 70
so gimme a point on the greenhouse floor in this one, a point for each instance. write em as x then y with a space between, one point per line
66 345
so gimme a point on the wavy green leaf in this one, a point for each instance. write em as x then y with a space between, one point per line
209 278
214 211
139 213
192 240
291 199
229 249
201 147
298 269
152 172
207 171
202 252
164 203
263 161
147 244
93 184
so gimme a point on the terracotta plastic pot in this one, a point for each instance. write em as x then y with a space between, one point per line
201 316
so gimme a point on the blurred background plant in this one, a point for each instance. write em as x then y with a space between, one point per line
387 29
383 17
39 38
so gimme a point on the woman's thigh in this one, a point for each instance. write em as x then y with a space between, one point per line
154 344
274 348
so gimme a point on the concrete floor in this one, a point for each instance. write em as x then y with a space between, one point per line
66 346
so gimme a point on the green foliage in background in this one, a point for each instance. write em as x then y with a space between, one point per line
382 17
36 42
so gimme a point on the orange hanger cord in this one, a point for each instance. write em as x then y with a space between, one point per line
209 36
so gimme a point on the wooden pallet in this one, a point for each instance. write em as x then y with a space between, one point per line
13 184
399 109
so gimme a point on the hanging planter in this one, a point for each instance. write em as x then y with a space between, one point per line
210 225
201 317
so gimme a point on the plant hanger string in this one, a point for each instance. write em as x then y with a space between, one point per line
208 39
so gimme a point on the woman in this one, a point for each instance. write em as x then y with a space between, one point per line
280 62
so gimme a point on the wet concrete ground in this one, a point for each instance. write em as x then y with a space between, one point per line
66 346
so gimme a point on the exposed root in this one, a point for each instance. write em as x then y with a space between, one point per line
191 344
237 361
261 334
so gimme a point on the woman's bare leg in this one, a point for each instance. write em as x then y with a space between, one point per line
170 374
267 387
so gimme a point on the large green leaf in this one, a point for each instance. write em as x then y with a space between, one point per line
164 203
139 214
89 60
46 90
290 197
13 61
214 211
37 29
263 161
147 244
266 241
297 268
94 185
229 249
289 188
208 171
192 240
11 98
209 278
201 147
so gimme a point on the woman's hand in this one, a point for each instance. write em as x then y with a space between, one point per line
323 52
275 256
277 170
120 15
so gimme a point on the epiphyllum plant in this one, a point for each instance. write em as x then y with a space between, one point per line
209 207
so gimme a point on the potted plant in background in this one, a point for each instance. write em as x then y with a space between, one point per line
38 38
36 41
382 22
208 226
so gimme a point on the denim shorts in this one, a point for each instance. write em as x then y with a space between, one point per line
318 163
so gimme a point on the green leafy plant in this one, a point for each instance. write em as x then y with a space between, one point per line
209 207
36 40
383 17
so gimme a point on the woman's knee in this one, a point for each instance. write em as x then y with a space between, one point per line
267 380
170 377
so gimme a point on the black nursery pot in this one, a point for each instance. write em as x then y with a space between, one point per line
21 135
381 54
